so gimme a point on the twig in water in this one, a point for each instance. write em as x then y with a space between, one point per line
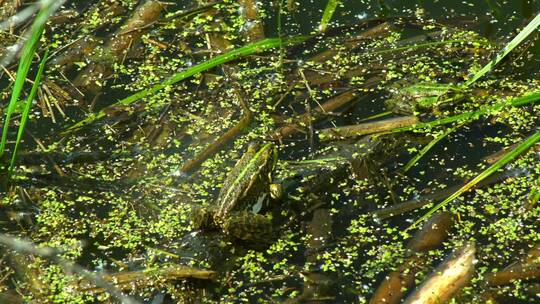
52 255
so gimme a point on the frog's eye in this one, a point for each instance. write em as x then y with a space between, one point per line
276 191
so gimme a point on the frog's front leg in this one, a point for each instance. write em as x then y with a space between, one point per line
271 195
247 226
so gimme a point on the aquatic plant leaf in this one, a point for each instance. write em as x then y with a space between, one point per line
26 112
507 49
508 157
328 13
249 49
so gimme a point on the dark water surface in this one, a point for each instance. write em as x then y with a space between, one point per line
356 251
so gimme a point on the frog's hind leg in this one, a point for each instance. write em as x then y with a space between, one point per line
203 218
248 226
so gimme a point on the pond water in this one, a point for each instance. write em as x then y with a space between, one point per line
120 193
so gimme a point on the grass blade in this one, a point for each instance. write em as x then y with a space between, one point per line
22 71
328 13
26 112
508 157
507 49
249 49
495 9
24 64
428 147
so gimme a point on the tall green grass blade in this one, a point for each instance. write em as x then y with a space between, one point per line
24 64
495 9
530 97
328 13
507 49
247 50
428 147
384 9
22 71
508 157
26 112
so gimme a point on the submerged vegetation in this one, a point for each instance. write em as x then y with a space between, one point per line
240 151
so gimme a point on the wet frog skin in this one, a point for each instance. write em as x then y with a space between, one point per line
245 186
408 99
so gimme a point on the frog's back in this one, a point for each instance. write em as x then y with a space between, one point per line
249 177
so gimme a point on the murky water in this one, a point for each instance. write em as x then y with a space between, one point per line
120 200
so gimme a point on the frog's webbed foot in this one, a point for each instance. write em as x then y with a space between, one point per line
248 226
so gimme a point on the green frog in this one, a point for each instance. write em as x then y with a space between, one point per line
408 99
245 189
